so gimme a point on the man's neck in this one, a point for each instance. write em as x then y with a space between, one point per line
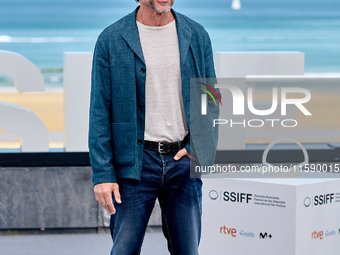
148 17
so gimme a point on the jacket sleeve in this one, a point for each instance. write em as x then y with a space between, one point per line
100 134
207 75
210 73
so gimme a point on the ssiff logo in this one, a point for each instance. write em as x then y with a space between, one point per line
319 200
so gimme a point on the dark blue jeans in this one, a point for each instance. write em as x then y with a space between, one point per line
180 198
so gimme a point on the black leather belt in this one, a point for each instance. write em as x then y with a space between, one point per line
165 147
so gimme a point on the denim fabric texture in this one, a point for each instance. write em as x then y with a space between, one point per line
116 130
180 200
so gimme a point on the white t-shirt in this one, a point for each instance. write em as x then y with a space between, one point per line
165 119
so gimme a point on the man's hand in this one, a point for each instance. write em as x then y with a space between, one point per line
181 153
103 193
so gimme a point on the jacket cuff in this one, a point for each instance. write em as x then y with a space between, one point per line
106 177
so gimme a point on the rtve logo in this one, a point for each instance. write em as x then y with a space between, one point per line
320 234
317 235
228 231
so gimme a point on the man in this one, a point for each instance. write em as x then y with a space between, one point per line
140 134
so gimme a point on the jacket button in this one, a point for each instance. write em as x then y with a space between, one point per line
140 141
142 70
141 105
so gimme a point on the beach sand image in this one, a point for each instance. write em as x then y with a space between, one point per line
48 107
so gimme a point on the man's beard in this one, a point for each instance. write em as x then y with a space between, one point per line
155 9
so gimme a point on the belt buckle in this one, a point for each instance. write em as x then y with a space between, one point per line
160 149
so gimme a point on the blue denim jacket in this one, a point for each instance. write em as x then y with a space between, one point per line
116 130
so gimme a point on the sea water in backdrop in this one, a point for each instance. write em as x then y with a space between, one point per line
41 30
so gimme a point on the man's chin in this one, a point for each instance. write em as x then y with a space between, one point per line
161 9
